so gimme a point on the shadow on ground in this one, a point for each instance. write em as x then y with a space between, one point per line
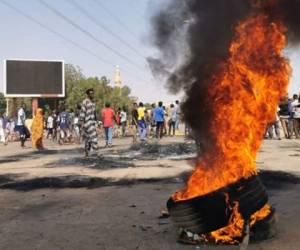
35 155
273 180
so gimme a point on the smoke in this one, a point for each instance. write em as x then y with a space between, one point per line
193 37
204 30
288 11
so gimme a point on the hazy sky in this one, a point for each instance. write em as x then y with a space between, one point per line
21 38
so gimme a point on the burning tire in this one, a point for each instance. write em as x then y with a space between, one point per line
264 229
251 195
196 215
208 213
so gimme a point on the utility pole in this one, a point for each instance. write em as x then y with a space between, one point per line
7 107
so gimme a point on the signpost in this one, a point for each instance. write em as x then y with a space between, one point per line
34 78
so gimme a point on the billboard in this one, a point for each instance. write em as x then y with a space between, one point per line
34 78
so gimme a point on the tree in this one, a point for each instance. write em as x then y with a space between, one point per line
2 104
73 75
77 84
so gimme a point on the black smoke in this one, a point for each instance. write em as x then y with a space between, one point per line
288 11
193 37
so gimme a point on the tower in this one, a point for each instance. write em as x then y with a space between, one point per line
118 78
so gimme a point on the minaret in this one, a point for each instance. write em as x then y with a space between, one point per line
118 78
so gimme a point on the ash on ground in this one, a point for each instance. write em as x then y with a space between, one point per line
150 151
124 158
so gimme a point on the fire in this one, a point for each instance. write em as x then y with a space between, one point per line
243 99
260 215
233 230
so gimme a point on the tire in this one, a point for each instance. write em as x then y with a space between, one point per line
196 214
251 198
208 213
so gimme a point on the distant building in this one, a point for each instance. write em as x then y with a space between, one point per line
118 78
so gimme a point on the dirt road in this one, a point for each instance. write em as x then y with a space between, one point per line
119 194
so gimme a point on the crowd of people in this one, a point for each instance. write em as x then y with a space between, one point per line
287 118
87 125
155 121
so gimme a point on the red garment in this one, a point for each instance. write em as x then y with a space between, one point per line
118 118
108 115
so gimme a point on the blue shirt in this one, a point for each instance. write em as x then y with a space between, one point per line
159 114
64 120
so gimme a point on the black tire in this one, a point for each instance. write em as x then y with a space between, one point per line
187 218
252 197
196 215
208 213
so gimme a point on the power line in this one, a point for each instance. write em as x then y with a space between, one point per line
34 20
87 33
104 27
117 19
55 32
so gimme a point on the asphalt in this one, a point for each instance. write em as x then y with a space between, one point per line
56 200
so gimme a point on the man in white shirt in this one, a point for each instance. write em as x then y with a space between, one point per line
296 117
50 126
178 114
292 124
123 121
21 128
21 116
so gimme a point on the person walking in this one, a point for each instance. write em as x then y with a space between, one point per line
134 123
291 107
88 122
76 129
172 120
64 126
50 126
20 127
152 117
284 117
108 118
37 130
142 127
178 114
55 136
160 120
8 130
274 126
123 121
297 119
2 129
165 120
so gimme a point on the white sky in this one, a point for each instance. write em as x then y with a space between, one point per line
23 39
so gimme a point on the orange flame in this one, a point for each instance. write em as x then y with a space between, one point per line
260 215
234 231
243 99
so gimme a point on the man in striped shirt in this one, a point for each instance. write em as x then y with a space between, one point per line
89 123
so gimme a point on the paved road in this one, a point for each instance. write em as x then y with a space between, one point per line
123 217
121 163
